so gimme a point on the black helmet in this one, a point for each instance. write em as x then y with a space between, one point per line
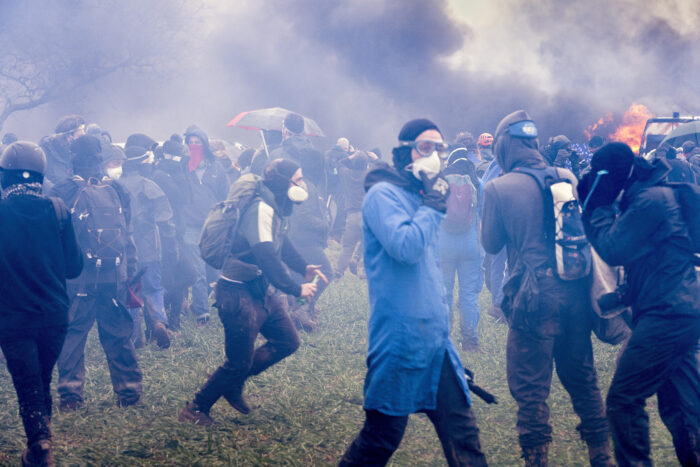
23 155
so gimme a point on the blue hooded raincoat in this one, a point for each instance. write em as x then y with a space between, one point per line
409 317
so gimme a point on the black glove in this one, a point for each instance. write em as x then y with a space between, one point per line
435 192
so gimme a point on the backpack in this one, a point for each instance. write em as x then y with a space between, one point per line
100 225
461 206
218 232
563 224
688 196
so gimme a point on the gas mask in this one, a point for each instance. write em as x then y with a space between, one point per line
430 166
298 193
114 172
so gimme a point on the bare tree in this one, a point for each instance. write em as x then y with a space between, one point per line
50 50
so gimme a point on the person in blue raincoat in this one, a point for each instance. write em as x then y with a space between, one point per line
413 366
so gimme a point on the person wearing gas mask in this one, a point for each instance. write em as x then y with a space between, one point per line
247 293
633 220
412 364
38 252
209 184
549 318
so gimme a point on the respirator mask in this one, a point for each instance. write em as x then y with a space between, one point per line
432 154
114 172
298 192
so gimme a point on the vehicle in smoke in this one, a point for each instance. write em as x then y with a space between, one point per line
657 128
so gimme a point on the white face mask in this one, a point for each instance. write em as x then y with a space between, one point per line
298 193
430 166
114 172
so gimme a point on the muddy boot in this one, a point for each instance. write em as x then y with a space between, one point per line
192 414
236 399
536 456
38 454
302 320
600 454
160 333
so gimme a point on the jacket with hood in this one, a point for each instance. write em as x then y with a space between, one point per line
650 239
409 331
58 159
209 183
291 148
513 210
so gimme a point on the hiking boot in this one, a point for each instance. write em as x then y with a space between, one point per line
192 414
160 332
38 454
600 455
236 399
535 456
129 402
69 405
203 320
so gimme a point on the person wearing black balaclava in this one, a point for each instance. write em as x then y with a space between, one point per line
412 364
549 318
38 252
247 291
634 221
99 294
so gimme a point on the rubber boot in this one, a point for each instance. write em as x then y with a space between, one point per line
536 456
600 454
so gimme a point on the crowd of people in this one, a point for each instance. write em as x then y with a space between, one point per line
134 235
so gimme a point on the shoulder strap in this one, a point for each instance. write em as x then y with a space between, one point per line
61 213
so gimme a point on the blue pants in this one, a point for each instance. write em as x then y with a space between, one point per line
460 254
200 288
497 274
152 296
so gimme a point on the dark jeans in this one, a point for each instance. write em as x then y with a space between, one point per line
453 420
561 335
662 358
114 327
244 316
31 355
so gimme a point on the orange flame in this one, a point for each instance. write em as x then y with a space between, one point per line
590 131
630 132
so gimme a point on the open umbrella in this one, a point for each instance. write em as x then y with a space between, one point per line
686 132
271 119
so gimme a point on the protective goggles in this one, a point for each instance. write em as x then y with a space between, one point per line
425 147
523 129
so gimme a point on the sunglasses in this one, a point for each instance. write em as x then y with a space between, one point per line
425 147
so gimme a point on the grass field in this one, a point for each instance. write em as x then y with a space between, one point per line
308 408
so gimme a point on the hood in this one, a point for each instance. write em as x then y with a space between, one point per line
194 130
644 174
384 172
512 152
294 145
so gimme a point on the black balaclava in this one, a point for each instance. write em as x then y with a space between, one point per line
87 157
617 160
512 152
276 177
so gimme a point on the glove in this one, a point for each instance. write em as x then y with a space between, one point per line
435 192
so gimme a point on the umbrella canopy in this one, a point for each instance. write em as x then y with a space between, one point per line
687 132
271 119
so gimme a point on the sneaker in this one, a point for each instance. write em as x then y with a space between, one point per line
69 405
203 320
192 415
129 402
161 334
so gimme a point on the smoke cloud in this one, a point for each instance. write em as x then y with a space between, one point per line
362 68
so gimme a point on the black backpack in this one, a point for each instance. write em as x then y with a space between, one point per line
100 225
218 232
563 224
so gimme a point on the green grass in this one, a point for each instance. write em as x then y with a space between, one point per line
308 408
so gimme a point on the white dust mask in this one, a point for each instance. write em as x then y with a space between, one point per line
298 193
430 166
114 172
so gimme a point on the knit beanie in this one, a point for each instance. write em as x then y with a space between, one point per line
409 133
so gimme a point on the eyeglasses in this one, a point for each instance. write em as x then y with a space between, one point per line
425 147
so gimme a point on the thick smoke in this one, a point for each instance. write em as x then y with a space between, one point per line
362 68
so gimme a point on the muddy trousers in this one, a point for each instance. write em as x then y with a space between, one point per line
660 358
31 355
244 316
561 335
453 420
114 327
